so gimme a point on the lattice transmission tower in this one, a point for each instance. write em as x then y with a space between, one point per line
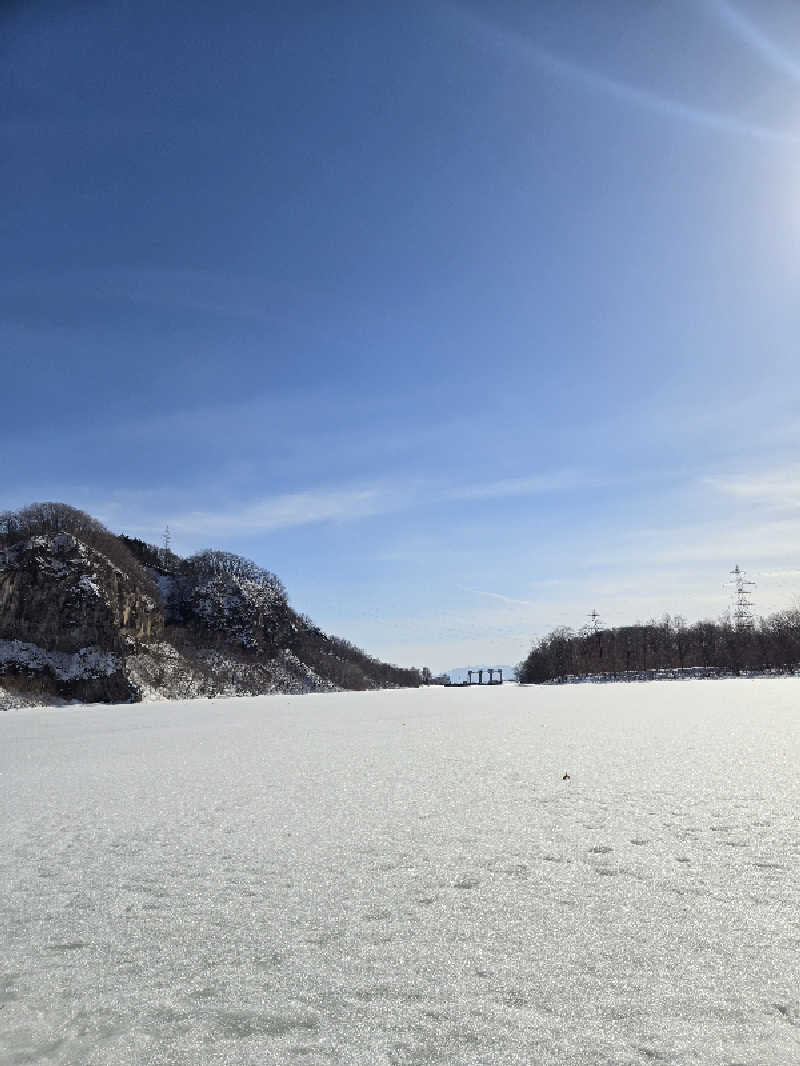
742 599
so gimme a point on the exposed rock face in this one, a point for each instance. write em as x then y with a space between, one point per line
64 595
68 615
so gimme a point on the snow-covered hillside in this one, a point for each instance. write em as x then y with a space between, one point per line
87 615
406 877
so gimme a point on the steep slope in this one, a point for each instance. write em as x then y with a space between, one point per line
227 612
87 615
69 614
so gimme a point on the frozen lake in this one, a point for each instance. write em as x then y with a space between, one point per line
404 877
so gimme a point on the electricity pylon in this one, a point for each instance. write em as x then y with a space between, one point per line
742 599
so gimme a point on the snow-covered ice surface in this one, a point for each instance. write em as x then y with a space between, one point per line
404 877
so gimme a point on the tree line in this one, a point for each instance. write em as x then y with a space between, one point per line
345 664
705 648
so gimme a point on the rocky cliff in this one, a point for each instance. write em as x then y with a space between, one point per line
88 616
68 617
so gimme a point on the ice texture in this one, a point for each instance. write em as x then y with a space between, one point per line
406 877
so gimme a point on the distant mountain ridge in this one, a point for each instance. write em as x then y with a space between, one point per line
91 616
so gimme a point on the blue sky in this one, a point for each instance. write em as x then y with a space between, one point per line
463 318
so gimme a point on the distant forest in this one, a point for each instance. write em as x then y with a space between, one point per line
672 647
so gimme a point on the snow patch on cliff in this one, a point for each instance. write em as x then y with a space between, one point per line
64 666
89 584
159 671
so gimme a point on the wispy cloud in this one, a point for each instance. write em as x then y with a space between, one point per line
329 503
498 596
287 510
631 94
764 45
776 488
660 104
557 481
